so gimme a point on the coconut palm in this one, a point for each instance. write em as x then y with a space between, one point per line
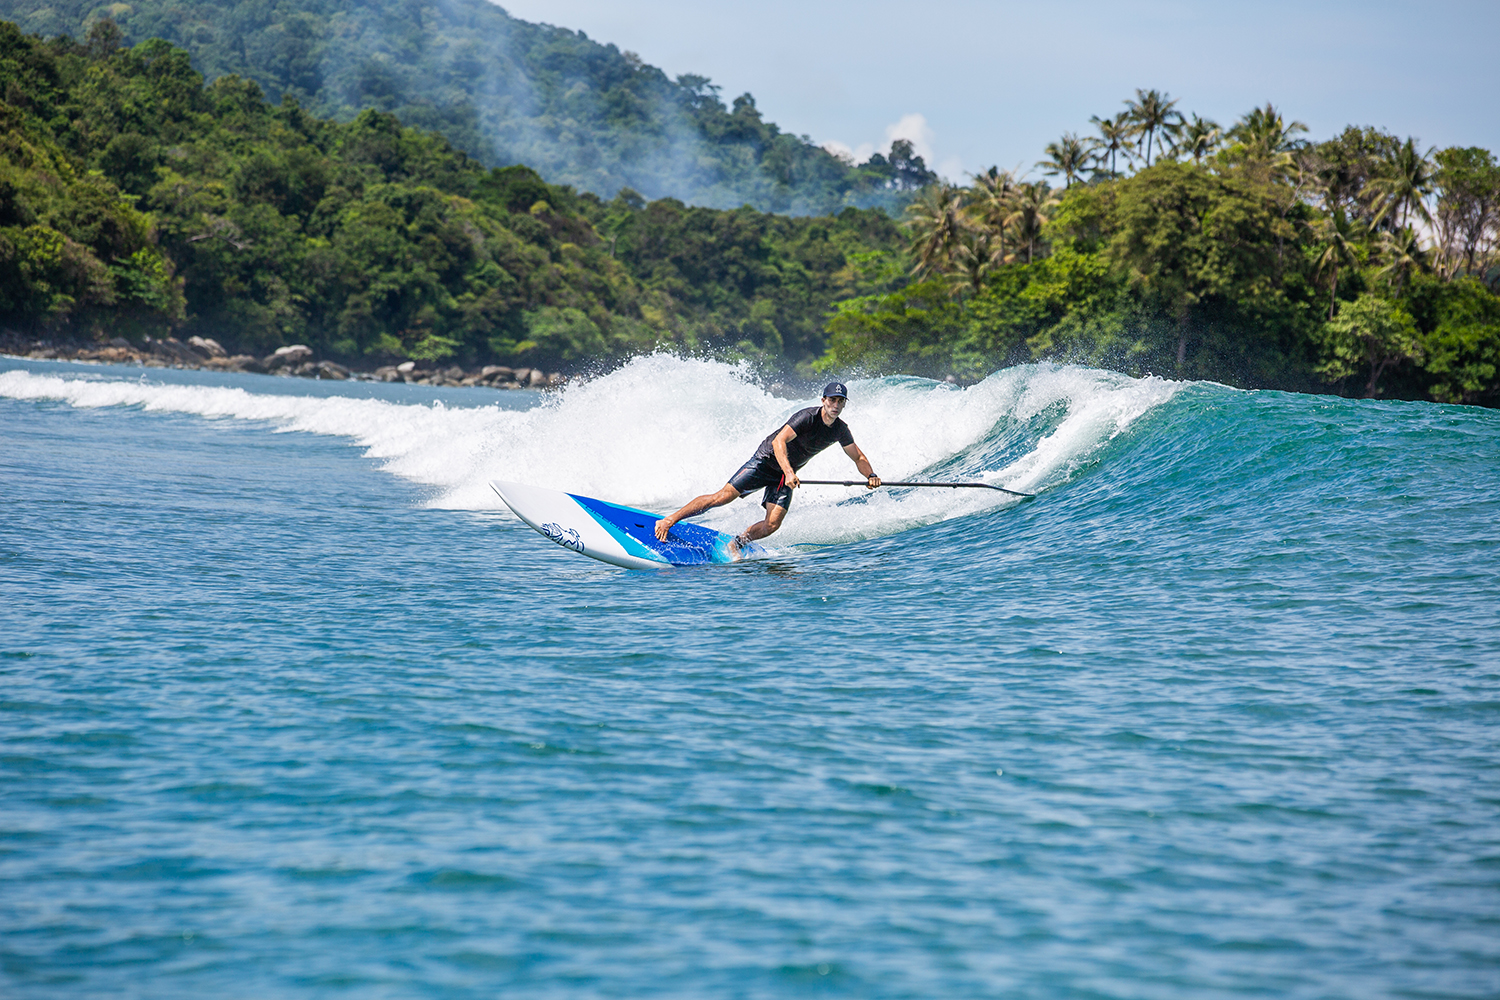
990 202
973 259
1400 255
1403 181
1114 133
1029 214
936 222
1068 156
1265 139
1199 138
1338 239
1151 112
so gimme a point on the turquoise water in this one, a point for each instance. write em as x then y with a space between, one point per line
293 708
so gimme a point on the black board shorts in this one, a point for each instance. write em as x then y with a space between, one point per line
755 474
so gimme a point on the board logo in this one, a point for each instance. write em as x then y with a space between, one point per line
566 537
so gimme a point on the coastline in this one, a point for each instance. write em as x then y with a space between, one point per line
294 361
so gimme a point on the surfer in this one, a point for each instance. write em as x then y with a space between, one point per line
775 463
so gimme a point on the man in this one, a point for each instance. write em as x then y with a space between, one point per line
775 463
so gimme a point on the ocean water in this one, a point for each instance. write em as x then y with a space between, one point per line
290 706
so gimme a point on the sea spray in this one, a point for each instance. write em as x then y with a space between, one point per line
662 429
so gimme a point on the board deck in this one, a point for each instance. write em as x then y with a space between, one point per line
613 533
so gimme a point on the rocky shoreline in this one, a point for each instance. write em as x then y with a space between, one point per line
296 360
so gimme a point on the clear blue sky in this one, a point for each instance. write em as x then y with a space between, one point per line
981 83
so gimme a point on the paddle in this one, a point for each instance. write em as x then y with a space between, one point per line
951 486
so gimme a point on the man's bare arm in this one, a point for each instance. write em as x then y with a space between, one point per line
863 465
778 448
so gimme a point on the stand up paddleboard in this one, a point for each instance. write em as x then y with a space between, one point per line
608 532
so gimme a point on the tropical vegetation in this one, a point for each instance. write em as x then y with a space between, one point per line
505 92
1245 254
134 199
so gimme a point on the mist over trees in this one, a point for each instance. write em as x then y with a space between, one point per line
505 91
136 200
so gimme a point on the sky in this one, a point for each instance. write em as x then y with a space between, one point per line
977 84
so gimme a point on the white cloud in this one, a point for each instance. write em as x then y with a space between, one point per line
856 154
915 130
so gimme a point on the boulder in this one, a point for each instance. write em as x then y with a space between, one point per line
245 363
536 379
208 347
292 356
454 374
406 366
496 373
118 342
172 349
327 369
387 373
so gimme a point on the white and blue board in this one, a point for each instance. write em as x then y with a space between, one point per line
614 534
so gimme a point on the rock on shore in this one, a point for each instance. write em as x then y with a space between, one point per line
296 360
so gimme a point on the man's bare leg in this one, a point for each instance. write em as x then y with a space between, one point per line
760 529
697 505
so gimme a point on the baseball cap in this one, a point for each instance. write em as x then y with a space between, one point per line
835 389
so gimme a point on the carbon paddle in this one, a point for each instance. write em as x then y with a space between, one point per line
950 486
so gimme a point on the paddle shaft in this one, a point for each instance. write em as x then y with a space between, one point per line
950 486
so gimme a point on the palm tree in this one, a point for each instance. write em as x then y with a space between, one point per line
1113 134
1401 254
973 258
1029 215
936 222
1151 112
1263 138
991 200
1068 156
1337 238
1403 182
1199 138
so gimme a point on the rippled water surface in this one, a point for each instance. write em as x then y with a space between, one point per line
292 707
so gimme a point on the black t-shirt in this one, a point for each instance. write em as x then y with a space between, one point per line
812 437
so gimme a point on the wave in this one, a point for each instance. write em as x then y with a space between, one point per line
662 429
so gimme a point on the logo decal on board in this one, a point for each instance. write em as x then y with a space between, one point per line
566 537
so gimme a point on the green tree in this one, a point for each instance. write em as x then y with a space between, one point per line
1402 182
1114 135
1468 210
1370 331
1184 237
1339 244
1199 138
990 202
935 222
1029 216
1265 141
1150 113
1068 156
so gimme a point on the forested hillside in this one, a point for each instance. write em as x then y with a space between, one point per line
505 92
135 199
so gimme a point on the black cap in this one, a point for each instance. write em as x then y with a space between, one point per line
835 389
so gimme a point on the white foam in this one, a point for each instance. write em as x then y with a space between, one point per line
662 429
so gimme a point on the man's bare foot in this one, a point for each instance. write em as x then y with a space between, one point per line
662 527
737 543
